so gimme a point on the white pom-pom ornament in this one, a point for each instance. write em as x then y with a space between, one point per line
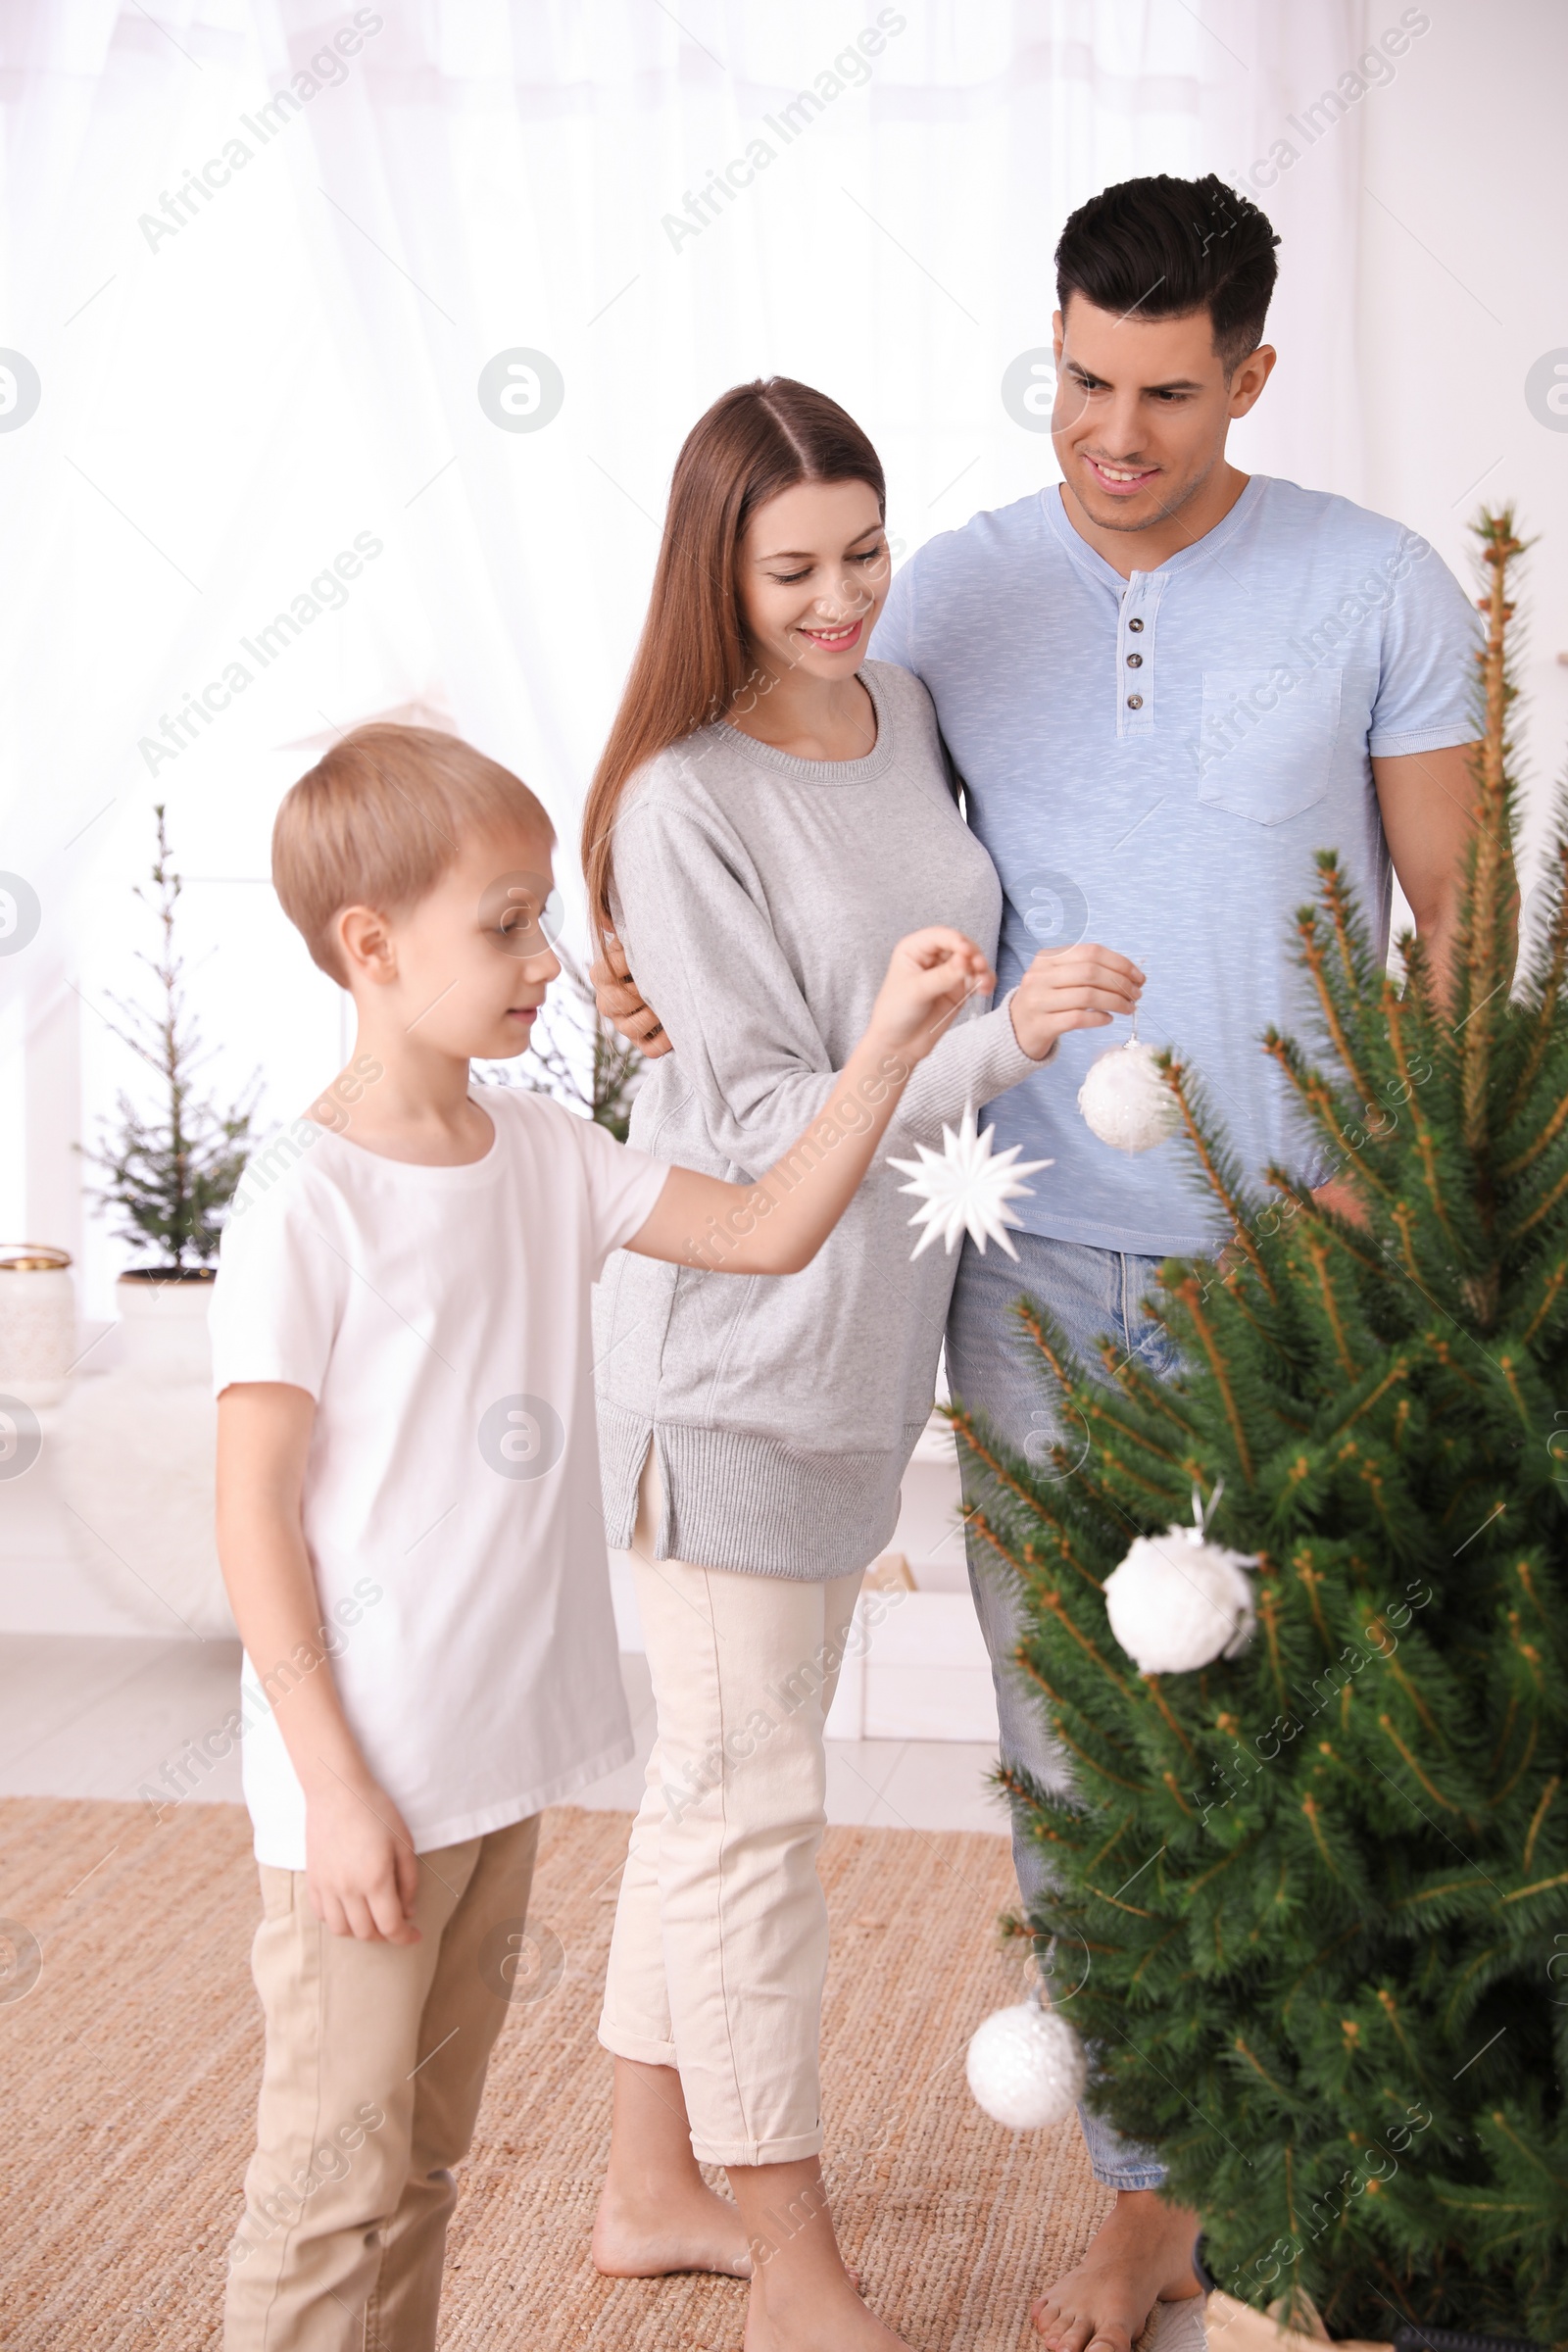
964 1188
1026 2067
1125 1100
1178 1602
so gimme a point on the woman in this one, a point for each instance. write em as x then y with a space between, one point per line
769 815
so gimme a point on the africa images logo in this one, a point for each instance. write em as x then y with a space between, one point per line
522 1436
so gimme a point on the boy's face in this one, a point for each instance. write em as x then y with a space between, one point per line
470 965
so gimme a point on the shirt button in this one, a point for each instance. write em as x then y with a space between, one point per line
1135 660
1134 624
1135 701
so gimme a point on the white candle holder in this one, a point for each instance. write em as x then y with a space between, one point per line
37 1322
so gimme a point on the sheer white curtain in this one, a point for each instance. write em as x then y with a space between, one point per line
663 209
185 473
241 373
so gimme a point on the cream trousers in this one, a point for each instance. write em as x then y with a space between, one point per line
375 2060
720 1939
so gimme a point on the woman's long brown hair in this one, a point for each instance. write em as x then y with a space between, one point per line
691 658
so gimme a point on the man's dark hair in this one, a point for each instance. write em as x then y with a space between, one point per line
1163 248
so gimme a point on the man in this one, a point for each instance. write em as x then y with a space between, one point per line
1165 685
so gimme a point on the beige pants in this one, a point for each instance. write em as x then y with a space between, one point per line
375 2060
720 1941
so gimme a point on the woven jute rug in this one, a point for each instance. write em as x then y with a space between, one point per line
129 2074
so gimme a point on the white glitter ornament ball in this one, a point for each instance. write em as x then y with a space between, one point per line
1026 2067
1178 1602
1126 1101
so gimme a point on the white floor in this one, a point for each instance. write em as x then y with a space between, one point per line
102 1716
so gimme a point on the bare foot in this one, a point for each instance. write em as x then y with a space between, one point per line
657 2213
689 2228
830 2322
1141 2255
803 2299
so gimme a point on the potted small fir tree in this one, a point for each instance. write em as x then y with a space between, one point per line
173 1174
138 1443
1316 1895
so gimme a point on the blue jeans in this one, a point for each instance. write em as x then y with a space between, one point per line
993 1369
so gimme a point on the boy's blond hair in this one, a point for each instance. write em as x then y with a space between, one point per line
379 820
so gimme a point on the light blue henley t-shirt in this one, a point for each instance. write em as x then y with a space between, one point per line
1153 764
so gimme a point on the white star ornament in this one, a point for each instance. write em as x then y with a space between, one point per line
963 1189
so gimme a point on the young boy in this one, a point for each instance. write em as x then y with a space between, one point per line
408 1497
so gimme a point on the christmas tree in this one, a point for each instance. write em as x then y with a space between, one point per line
1311 1903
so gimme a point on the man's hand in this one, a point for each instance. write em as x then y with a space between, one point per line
617 996
360 1864
1071 988
1340 1201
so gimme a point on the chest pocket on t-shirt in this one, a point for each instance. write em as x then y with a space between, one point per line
1267 740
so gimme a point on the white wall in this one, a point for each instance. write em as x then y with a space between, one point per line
1464 286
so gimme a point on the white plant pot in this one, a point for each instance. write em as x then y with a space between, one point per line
37 1325
135 1450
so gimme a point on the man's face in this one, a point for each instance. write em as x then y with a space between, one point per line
1142 406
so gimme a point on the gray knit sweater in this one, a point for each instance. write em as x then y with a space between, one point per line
759 898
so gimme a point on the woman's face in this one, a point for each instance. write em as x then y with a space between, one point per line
813 573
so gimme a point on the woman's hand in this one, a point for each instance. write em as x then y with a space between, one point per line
620 1004
931 975
1071 988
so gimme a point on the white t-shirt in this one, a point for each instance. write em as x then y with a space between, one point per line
440 1318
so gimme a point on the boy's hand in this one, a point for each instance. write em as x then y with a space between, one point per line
930 975
1071 988
361 1869
620 1004
360 1866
